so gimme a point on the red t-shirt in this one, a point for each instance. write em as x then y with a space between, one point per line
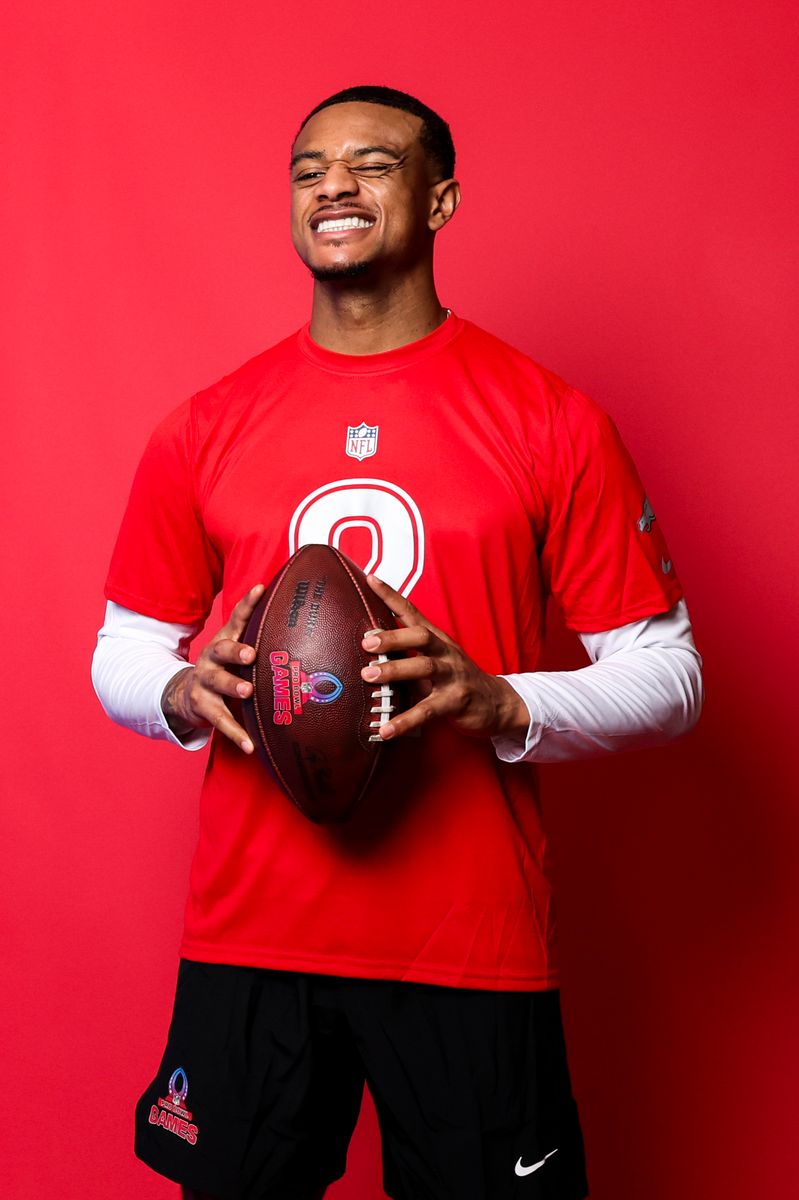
463 473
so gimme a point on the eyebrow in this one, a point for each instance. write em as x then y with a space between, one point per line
361 152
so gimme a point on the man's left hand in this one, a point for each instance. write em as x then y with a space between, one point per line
452 685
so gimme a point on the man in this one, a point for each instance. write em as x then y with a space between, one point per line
413 946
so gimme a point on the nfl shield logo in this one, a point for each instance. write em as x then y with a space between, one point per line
362 441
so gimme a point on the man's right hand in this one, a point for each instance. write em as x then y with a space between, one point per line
194 698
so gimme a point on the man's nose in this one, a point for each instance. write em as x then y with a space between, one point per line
336 182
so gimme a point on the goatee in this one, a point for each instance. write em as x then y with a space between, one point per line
354 270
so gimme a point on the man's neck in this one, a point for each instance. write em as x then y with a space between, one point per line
351 317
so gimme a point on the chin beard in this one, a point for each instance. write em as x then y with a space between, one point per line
354 270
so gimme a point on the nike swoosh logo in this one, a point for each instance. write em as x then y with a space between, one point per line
520 1170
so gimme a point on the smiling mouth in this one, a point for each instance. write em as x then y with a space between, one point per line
341 224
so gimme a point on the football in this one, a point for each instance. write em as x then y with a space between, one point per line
311 717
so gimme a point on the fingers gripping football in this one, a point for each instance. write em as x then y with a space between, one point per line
194 699
451 684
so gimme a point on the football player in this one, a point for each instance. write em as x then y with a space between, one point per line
412 947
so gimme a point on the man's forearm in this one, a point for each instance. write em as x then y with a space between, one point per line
137 661
644 688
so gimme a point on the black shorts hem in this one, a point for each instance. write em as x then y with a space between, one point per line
199 1182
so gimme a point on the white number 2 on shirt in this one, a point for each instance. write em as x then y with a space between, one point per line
388 514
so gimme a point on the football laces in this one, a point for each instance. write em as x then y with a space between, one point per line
382 702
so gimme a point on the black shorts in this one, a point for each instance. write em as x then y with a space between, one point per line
261 1082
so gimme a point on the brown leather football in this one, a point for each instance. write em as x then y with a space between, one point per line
311 717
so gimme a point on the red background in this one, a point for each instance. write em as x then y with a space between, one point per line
628 220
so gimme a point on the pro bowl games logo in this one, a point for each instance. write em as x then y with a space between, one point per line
292 687
171 1114
178 1087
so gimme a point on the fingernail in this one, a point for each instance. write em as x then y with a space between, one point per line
370 674
247 746
370 642
243 689
386 732
247 654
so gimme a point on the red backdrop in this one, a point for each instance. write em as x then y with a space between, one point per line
628 220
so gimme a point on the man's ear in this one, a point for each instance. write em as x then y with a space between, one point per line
444 199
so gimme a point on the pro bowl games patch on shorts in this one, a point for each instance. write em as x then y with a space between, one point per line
171 1112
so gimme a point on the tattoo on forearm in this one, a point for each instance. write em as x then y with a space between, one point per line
175 719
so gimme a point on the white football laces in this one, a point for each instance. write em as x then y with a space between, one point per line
382 701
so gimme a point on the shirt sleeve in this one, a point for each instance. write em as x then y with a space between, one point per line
164 564
604 557
134 660
643 688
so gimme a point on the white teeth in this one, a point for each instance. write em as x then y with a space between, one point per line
344 223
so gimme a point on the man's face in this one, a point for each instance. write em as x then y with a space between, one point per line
361 192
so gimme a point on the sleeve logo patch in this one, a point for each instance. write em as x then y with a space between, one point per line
171 1114
647 518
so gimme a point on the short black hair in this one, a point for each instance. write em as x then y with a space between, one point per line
435 135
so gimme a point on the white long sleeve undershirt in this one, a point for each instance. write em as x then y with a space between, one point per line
642 688
135 658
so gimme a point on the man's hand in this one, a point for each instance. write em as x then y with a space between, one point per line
193 699
452 685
